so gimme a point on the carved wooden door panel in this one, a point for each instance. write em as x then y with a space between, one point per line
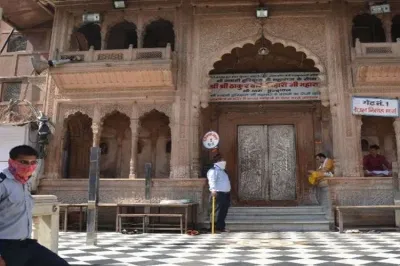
266 163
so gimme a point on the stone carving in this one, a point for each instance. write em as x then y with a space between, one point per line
253 159
107 109
388 74
282 162
248 31
67 110
165 108
110 57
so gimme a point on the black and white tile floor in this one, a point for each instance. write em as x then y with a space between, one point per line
241 249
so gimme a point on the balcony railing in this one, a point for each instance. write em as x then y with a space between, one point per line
46 216
18 64
377 50
130 54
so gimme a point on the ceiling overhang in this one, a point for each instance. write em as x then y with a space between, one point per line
26 14
114 76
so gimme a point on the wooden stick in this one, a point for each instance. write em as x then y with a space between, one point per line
213 216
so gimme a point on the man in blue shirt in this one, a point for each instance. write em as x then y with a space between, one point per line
220 188
16 204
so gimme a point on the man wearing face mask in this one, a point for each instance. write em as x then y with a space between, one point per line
220 188
16 204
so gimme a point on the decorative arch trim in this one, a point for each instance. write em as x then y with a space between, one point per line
77 110
217 56
163 108
299 48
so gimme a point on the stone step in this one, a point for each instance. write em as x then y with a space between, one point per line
277 225
261 217
302 218
276 210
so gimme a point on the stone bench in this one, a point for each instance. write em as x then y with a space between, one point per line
350 209
148 215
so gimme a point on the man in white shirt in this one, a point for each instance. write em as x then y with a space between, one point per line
220 188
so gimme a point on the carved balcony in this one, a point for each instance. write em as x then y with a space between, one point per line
377 50
376 64
142 68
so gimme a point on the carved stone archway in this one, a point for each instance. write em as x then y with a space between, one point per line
154 144
76 145
275 45
115 143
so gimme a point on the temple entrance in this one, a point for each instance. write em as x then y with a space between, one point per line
266 162
265 105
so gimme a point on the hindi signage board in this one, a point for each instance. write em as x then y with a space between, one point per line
375 107
264 87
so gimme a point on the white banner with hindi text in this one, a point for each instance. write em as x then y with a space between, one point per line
264 87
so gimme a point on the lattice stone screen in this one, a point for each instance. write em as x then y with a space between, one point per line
10 90
16 43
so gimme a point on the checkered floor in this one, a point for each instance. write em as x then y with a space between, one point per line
287 248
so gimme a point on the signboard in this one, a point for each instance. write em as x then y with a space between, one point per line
211 140
264 87
375 107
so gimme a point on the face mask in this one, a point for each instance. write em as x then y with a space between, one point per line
21 172
221 164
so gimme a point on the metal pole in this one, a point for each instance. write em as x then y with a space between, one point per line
94 178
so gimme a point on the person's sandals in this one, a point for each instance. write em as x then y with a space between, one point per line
192 232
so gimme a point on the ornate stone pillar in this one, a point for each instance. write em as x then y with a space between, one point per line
96 126
387 26
134 147
396 126
358 164
134 125
195 164
175 163
96 134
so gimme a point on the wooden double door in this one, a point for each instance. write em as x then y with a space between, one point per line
268 154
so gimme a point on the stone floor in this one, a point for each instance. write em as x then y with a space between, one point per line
284 248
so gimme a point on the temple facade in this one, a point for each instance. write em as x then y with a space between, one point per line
146 82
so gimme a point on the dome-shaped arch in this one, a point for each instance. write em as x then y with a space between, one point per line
367 28
217 56
277 58
121 35
158 33
86 36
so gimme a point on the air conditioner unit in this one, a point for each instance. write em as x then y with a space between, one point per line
91 18
379 9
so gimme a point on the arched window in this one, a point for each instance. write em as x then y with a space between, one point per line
122 35
396 28
86 36
158 34
368 28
